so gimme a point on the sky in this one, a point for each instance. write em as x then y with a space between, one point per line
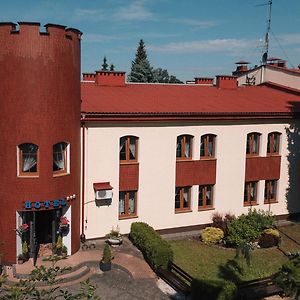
190 38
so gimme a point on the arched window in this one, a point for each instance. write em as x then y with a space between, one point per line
253 143
273 143
184 147
61 158
128 148
28 159
207 146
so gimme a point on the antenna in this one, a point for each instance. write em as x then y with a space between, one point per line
266 44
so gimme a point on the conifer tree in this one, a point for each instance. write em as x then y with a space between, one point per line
112 67
105 64
141 71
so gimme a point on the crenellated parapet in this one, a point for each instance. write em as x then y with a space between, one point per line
33 28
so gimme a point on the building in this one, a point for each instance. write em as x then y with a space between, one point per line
174 154
40 135
105 153
275 71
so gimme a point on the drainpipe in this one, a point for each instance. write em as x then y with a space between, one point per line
82 236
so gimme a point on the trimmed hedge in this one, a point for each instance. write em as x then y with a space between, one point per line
213 289
156 251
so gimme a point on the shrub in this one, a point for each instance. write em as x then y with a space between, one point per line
213 289
25 251
212 235
247 228
288 277
222 222
106 257
269 238
157 252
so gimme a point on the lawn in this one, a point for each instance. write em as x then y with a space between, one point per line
213 262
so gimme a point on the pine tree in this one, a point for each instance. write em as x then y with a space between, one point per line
112 67
105 64
141 70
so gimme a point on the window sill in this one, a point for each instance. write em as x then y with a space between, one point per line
61 174
129 162
28 176
250 204
208 158
183 211
128 217
205 208
271 202
252 155
183 158
273 154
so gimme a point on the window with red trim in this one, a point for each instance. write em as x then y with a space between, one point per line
273 143
184 147
127 204
270 191
250 193
253 143
128 149
182 198
207 147
205 196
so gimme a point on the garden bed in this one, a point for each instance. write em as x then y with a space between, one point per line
218 262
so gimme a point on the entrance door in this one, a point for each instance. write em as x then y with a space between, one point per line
43 226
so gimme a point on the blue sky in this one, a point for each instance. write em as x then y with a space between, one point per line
188 38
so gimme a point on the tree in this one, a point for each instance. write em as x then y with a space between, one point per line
142 71
112 67
105 64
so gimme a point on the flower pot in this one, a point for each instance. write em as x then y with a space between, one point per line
105 266
115 242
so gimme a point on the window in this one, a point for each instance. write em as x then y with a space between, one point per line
273 143
182 198
205 196
127 204
128 149
207 147
270 191
61 158
252 147
184 147
250 193
28 160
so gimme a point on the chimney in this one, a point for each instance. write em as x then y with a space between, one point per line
110 78
204 81
226 82
241 68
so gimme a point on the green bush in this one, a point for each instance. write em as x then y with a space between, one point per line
212 235
248 227
156 251
213 289
106 257
288 277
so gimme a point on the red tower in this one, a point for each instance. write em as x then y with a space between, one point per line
39 137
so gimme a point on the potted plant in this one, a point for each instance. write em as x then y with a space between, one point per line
64 225
105 262
114 238
22 229
59 248
25 251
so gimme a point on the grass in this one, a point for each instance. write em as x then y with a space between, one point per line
213 262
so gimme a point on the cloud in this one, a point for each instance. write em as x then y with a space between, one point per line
135 11
195 23
217 45
89 14
99 38
290 38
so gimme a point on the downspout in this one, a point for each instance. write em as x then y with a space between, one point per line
82 236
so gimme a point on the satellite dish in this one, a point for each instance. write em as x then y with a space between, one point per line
264 58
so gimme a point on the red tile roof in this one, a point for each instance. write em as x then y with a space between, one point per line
191 100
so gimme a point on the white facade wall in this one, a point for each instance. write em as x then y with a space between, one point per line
265 74
157 167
